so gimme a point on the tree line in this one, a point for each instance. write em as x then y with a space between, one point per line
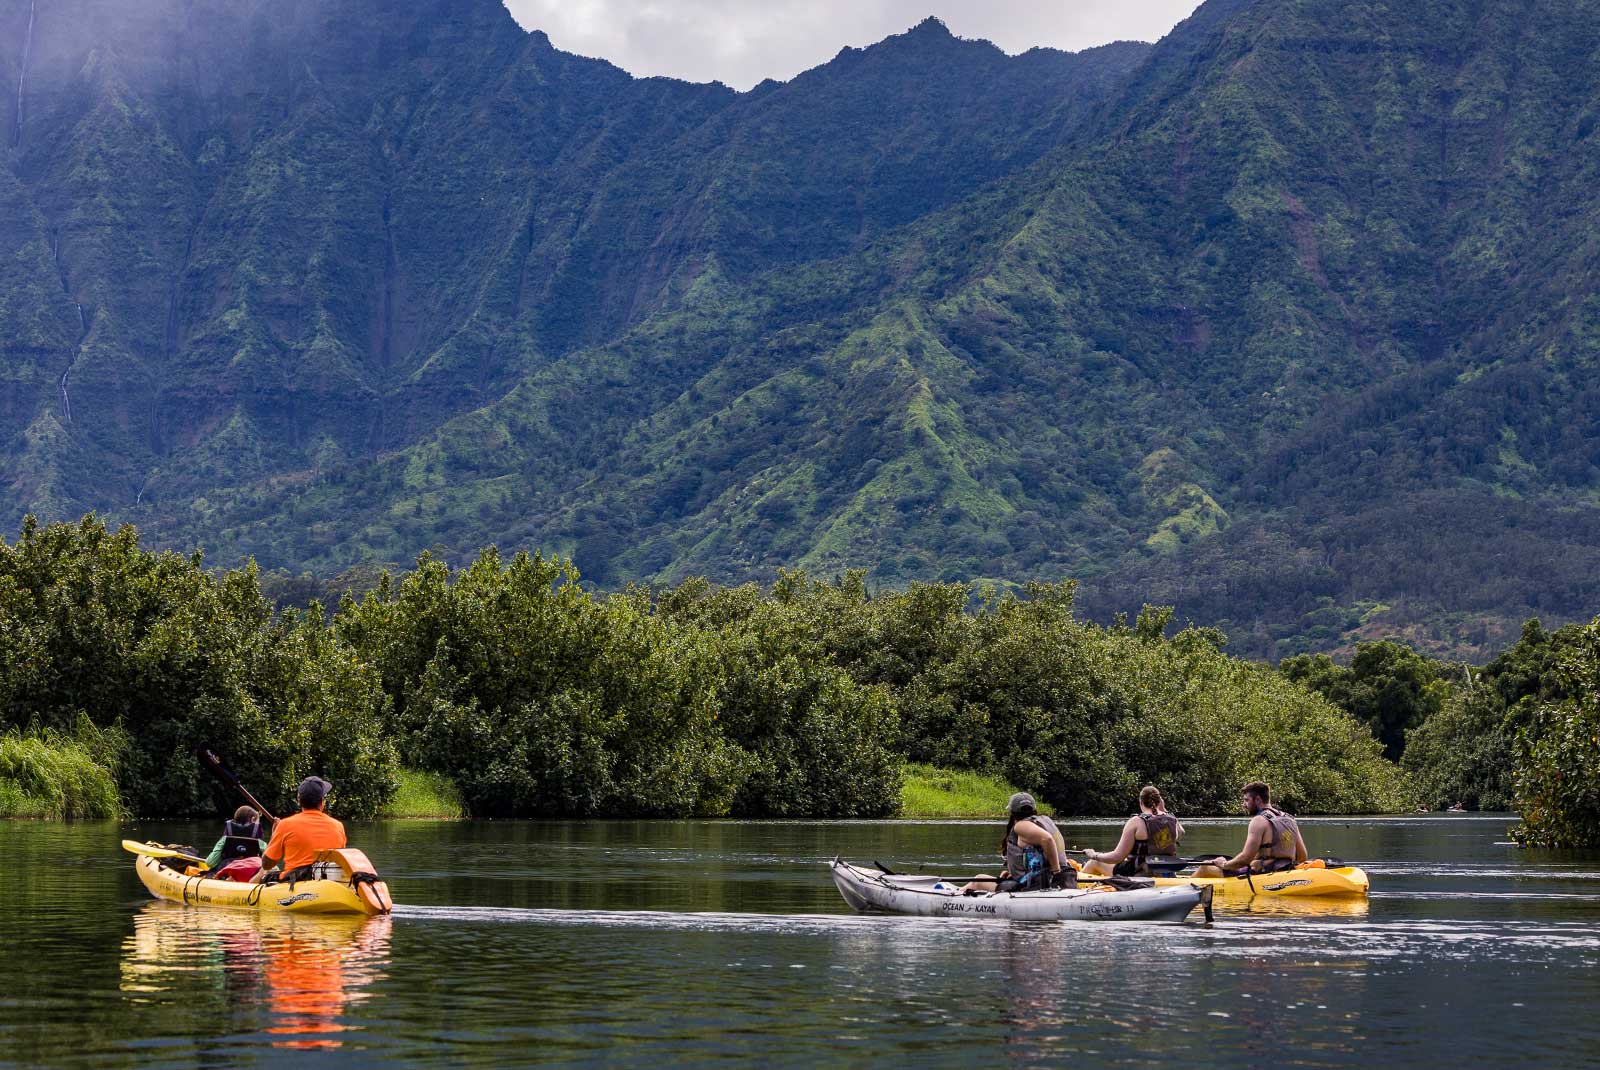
539 696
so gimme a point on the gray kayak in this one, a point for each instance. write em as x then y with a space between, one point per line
935 897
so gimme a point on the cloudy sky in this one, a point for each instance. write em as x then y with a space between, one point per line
741 42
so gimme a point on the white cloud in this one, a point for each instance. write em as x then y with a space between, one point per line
741 42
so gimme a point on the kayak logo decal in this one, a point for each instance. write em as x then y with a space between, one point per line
1299 882
293 899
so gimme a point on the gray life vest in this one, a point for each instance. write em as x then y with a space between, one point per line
1277 850
1024 858
1161 839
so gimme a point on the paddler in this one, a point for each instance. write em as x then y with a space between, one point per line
1148 836
297 838
1272 839
1035 853
241 839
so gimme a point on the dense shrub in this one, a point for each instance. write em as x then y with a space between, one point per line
1469 751
176 658
1558 776
535 696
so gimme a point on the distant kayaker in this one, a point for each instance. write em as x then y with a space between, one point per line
297 839
1035 853
1272 839
1149 835
241 839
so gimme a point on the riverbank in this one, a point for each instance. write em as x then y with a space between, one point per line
926 791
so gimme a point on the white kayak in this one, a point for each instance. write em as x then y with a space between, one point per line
935 897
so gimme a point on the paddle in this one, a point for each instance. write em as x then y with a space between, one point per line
224 774
157 851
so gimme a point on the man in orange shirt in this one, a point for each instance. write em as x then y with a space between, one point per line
297 839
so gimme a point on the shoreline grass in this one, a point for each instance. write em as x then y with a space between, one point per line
55 778
928 791
426 795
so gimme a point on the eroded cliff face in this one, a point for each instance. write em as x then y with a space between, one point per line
328 282
308 233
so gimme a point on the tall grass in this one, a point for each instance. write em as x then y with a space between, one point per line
928 791
426 795
48 775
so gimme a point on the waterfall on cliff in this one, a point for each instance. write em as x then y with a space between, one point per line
22 74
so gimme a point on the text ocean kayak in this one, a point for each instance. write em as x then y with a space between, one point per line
932 897
1344 882
356 893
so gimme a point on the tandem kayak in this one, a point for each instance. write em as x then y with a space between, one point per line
933 897
349 886
1345 882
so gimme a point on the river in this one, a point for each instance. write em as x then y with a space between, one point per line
667 944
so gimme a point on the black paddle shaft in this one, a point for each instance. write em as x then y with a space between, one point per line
209 759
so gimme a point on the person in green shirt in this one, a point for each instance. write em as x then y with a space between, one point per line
241 838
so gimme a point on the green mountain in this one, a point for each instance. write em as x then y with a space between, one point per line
1288 320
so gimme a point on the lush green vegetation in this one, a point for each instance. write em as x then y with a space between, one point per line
175 658
425 795
1558 774
928 791
52 775
530 694
1387 685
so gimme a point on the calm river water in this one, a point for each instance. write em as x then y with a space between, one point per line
692 943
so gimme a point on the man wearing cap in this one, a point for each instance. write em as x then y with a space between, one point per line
297 839
1035 853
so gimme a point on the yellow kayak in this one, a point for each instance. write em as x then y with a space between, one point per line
327 896
1346 882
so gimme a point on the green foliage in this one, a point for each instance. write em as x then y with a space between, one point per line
1387 685
514 685
1469 750
1558 776
54 775
538 699
1080 715
172 658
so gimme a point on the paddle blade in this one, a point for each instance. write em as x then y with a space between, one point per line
156 850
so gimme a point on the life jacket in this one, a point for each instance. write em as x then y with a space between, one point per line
240 841
1277 848
1160 842
1025 862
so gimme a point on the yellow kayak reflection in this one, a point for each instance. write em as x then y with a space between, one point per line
293 977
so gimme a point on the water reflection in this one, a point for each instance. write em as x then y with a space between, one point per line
292 979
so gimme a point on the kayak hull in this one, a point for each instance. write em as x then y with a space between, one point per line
872 890
302 897
1346 882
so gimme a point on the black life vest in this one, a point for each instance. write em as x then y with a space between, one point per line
240 841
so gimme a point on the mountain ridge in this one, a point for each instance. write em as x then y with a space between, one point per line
1201 322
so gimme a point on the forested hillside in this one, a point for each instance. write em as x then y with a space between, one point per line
1288 320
